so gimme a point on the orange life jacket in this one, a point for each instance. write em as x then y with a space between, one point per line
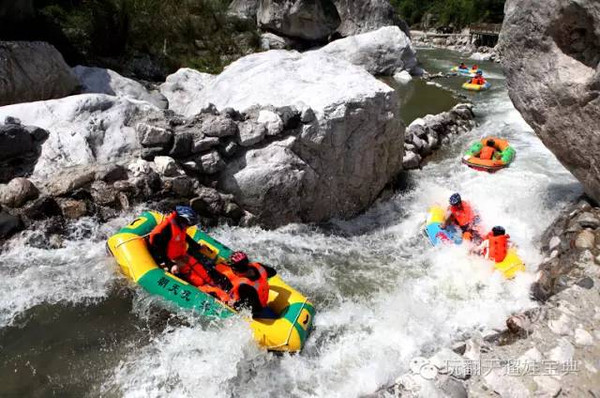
487 152
498 246
464 215
177 247
261 285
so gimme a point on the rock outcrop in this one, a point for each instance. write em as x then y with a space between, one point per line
424 135
83 129
106 81
381 52
331 161
551 56
32 71
364 16
312 20
182 89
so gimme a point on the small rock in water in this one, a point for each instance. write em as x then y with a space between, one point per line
519 323
402 77
583 337
585 240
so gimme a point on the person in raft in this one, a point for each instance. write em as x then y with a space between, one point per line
478 79
172 248
249 281
462 66
489 152
462 214
496 244
475 67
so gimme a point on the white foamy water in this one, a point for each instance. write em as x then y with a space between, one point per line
383 295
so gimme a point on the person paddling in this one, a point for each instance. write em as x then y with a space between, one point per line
478 79
496 245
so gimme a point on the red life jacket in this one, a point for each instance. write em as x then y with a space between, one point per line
487 152
498 247
463 216
177 247
261 285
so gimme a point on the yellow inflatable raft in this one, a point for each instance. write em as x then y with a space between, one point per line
511 265
476 87
283 326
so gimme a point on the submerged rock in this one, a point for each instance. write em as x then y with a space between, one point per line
551 56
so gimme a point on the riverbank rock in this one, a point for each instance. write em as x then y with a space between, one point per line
551 56
105 81
365 16
32 71
20 148
182 89
312 20
424 135
334 164
17 192
83 129
381 52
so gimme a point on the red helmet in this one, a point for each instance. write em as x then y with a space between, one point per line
238 259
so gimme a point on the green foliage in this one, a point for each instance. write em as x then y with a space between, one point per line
456 13
195 33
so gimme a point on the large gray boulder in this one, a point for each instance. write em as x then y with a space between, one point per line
382 52
182 90
336 161
20 148
551 56
83 129
361 16
32 71
303 19
106 81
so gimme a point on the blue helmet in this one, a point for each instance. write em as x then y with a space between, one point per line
455 199
187 213
479 73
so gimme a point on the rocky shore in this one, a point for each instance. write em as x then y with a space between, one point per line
460 42
425 135
551 350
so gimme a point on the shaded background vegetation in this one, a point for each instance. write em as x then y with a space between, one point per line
149 37
450 13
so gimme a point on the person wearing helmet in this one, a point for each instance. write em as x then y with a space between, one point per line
462 214
463 66
478 79
488 151
172 248
249 281
496 244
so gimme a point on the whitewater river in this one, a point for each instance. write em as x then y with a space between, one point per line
71 325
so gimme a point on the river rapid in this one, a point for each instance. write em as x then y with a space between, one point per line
72 325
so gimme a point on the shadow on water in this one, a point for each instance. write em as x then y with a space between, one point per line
63 350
